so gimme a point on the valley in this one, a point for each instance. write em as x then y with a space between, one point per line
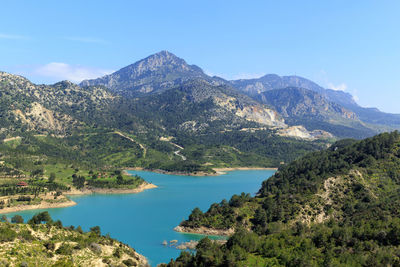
65 143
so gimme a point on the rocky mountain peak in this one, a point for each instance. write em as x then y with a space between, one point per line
152 74
160 60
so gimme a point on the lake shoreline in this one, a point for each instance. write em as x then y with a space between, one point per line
105 191
204 231
74 192
43 205
218 171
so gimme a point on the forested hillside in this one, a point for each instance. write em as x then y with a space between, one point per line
337 207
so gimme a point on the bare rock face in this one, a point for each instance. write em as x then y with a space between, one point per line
37 117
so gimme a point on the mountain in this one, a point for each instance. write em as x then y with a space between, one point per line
310 109
336 207
331 111
181 107
298 102
153 74
93 127
197 104
255 87
272 81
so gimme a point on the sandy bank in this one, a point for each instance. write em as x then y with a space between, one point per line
43 205
88 191
171 173
218 171
204 231
243 169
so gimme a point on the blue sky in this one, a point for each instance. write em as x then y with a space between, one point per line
348 45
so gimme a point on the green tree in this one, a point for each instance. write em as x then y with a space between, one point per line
120 179
17 219
52 177
95 230
41 217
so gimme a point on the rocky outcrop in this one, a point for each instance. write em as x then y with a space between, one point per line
205 231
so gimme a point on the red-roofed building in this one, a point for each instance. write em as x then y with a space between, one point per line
22 184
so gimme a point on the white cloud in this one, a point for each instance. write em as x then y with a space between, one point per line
74 73
11 36
339 87
85 39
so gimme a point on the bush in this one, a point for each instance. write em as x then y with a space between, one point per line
65 249
7 235
129 262
49 246
96 230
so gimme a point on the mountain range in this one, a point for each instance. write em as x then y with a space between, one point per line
162 113
295 99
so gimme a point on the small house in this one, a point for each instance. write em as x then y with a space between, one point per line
22 184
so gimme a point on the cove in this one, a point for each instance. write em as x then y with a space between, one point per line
146 219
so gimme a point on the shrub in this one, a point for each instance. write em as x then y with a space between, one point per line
7 235
65 249
129 262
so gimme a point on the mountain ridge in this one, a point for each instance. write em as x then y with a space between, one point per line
257 86
162 71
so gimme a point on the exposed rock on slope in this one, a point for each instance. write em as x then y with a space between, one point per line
39 118
301 132
255 87
198 105
57 108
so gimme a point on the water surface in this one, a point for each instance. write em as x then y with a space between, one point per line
146 219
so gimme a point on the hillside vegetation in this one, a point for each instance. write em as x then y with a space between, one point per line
93 128
337 207
44 242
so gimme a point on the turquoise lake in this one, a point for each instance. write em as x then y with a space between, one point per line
146 219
